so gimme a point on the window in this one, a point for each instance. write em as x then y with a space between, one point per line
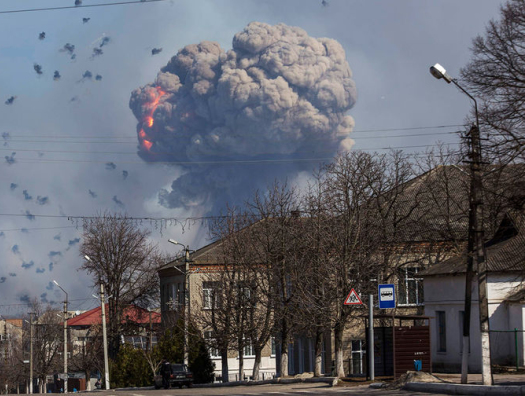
210 342
248 348
274 349
358 355
210 295
441 331
409 286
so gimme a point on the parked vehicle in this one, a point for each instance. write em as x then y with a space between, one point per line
180 376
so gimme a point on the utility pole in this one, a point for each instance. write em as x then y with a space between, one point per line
30 352
476 246
105 337
476 199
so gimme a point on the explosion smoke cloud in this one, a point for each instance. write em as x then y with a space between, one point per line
277 94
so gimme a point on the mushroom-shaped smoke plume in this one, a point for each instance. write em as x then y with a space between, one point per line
241 118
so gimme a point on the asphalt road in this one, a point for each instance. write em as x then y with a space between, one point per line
264 390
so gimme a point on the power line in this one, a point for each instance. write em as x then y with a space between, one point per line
135 140
219 162
36 228
134 137
80 6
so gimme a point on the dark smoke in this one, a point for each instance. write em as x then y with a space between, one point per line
10 100
277 100
156 51
38 68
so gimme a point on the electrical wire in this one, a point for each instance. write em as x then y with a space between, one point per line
80 6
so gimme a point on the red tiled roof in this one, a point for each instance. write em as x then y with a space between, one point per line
131 314
15 322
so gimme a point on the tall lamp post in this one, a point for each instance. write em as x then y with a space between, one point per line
65 335
186 297
104 332
476 248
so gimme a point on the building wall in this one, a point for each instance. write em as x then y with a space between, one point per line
447 293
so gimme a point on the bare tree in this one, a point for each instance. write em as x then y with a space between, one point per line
88 357
496 76
122 258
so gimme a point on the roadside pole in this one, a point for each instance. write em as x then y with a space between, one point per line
371 335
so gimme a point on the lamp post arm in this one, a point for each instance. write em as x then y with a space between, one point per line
471 97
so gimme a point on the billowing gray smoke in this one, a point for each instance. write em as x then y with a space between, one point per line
278 95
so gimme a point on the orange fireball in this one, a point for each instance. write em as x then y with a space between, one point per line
148 119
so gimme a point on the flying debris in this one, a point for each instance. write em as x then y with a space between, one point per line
111 166
118 202
92 194
41 271
96 52
57 75
73 99
3 279
6 136
70 49
125 174
324 3
28 265
87 75
98 77
27 196
38 68
278 94
78 3
105 41
156 51
85 20
42 36
42 200
10 100
13 186
10 159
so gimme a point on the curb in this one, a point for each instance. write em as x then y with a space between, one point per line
460 389
330 381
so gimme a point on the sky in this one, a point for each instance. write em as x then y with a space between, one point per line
69 140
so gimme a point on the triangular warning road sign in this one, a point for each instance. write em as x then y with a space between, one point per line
353 298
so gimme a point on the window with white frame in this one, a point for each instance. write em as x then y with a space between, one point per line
209 338
274 347
409 286
358 353
248 350
210 295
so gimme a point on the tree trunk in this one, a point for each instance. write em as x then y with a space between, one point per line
338 338
257 364
241 363
224 364
318 353
88 380
285 340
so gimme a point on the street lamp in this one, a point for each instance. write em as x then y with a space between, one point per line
476 249
65 335
104 332
186 297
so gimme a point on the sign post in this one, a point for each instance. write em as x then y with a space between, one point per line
371 336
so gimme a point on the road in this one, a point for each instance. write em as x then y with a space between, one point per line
264 390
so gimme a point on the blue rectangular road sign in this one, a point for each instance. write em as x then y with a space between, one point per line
387 296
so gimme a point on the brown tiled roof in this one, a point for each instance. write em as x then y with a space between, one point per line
131 314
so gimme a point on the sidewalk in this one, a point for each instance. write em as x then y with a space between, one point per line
504 384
